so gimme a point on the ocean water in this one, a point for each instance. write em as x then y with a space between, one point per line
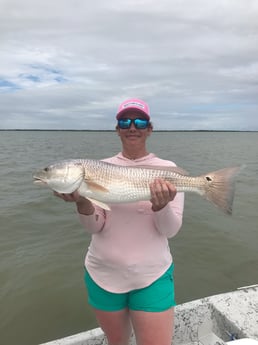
42 244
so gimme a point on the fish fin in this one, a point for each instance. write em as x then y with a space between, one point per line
99 203
94 186
174 169
220 187
91 186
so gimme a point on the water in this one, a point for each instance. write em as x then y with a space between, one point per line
42 244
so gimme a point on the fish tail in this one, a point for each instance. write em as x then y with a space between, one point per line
220 187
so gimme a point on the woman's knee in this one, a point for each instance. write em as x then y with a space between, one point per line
116 326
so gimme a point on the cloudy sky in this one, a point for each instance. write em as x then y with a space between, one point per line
67 64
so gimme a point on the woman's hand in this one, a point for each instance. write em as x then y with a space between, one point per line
84 206
162 192
73 197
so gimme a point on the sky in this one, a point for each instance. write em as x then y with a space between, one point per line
67 64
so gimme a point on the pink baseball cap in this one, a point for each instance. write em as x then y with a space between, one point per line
133 104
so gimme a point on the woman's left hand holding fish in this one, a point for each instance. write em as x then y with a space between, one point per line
162 192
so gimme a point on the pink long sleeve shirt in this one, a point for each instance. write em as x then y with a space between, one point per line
129 246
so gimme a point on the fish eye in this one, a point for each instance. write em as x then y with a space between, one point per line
46 169
208 178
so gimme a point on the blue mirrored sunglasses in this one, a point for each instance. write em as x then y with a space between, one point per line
138 123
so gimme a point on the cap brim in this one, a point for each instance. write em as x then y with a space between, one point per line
121 113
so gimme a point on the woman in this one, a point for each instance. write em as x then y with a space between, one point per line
128 266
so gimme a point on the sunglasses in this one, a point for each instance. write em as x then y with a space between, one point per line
138 123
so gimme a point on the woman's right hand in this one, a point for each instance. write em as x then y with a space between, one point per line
84 206
73 197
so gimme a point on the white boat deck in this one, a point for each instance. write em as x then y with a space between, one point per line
218 319
212 320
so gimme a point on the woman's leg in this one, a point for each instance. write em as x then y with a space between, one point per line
152 328
111 312
116 325
152 311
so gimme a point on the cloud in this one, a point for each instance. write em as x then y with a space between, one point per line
68 64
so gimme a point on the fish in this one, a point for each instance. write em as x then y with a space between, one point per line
105 183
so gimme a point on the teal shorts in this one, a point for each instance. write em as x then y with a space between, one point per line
157 297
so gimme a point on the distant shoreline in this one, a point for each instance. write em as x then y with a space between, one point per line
111 130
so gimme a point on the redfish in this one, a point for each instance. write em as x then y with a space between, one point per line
104 183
